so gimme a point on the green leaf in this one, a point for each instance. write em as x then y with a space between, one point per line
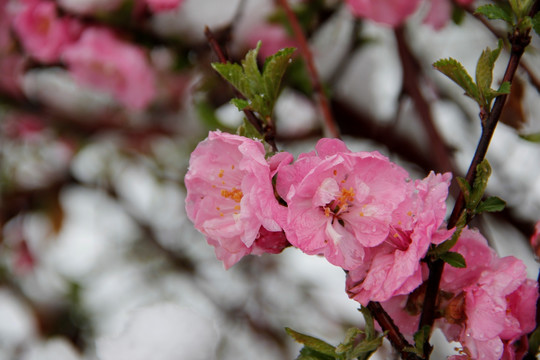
483 172
248 130
420 337
455 71
491 204
536 23
465 188
521 7
484 73
348 343
312 343
496 12
444 247
241 104
453 258
260 89
458 14
534 342
309 354
369 323
365 348
531 137
273 71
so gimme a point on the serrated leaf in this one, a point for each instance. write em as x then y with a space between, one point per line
273 71
454 259
312 342
455 71
491 204
234 74
536 23
496 12
484 72
458 14
531 137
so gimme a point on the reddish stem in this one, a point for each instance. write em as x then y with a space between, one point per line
329 121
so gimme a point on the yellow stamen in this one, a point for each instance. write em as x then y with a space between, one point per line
221 173
235 194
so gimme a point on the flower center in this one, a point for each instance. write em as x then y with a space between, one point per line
340 204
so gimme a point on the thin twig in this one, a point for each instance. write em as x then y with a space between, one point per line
266 130
499 34
394 335
329 121
411 86
519 42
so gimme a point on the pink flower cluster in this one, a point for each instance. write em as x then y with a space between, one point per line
394 12
364 214
358 209
95 56
488 306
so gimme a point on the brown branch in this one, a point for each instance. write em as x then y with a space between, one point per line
519 42
266 130
394 335
330 124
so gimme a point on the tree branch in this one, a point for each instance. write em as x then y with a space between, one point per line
330 124
519 42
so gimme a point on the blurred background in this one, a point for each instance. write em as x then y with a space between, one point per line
97 257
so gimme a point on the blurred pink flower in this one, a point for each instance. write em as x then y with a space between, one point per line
42 33
101 60
341 203
388 12
230 197
394 267
163 5
440 12
273 38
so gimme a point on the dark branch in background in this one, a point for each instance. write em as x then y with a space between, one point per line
411 86
266 130
519 42
329 122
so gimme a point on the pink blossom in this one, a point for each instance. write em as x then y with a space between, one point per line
273 38
339 202
440 12
478 258
43 34
101 60
496 308
163 5
388 12
393 267
230 197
